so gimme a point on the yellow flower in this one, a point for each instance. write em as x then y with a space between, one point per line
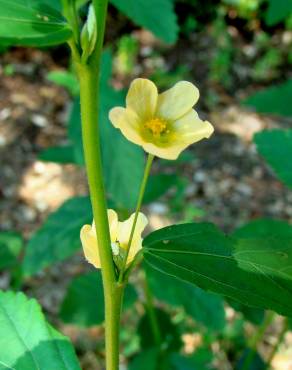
163 124
119 233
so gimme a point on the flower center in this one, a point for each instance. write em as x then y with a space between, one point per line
157 126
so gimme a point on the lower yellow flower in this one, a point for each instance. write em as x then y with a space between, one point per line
119 233
163 124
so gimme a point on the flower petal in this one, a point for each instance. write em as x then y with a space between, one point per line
170 152
125 231
142 98
113 224
89 244
190 128
128 122
187 130
177 101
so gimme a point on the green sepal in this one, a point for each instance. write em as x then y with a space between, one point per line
88 35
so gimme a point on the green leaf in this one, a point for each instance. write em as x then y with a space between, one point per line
274 100
56 4
204 307
158 185
158 16
27 341
83 304
58 154
264 228
276 148
11 245
256 272
65 79
59 236
31 23
278 10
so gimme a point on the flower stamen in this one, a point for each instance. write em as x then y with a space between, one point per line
157 126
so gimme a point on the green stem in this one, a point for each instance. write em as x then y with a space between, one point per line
278 342
70 12
138 207
112 291
91 144
151 312
256 339
89 75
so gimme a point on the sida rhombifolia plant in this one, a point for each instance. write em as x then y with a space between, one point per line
164 125
252 266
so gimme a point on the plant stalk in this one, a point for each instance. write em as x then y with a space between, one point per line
89 76
138 207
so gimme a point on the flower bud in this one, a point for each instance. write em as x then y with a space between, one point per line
88 34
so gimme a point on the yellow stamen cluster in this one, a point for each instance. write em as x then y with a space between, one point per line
157 126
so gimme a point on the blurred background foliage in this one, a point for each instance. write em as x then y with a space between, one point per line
239 54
